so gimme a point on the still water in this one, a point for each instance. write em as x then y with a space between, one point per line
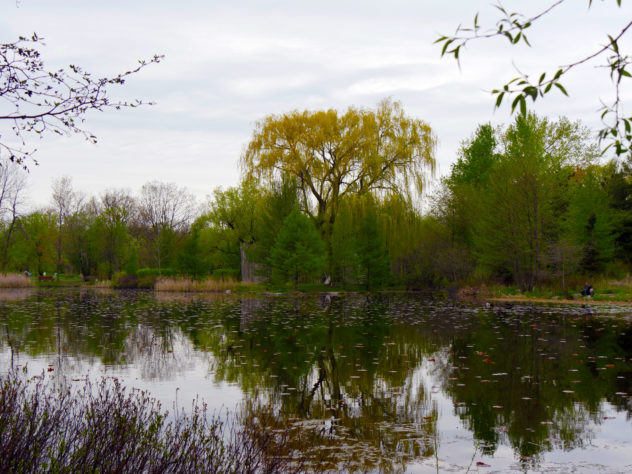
396 382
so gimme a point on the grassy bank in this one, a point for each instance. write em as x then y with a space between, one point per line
606 290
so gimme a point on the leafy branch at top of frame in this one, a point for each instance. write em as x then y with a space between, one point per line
512 26
38 100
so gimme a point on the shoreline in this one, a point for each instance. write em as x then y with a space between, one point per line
526 299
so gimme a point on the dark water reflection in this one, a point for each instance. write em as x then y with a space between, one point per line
403 382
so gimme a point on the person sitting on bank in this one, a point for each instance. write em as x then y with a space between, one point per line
588 290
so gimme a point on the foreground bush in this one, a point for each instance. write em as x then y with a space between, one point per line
105 428
123 281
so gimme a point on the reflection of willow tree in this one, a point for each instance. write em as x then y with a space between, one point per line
535 381
352 368
346 366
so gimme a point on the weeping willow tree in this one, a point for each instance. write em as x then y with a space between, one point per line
333 155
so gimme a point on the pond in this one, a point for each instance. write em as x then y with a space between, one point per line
396 382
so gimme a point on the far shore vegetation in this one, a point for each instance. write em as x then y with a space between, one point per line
530 209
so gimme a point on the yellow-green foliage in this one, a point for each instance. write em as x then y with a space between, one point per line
15 280
190 285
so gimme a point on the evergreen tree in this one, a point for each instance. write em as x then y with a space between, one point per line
344 257
590 221
272 208
372 254
299 251
131 268
190 259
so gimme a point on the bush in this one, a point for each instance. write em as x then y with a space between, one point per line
225 274
124 281
154 272
104 427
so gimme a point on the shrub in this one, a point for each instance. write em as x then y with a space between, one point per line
225 273
104 427
154 272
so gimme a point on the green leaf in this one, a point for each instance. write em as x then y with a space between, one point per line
561 87
531 92
445 46
523 105
499 99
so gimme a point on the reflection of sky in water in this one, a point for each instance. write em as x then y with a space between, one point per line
168 378
395 367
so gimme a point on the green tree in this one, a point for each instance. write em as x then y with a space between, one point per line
334 155
476 158
35 250
274 205
299 251
191 260
227 229
590 220
526 196
131 267
344 245
83 239
372 254
617 183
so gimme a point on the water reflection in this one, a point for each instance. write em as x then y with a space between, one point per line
368 372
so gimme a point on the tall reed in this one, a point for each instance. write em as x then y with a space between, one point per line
15 280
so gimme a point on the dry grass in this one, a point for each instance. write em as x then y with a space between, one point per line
101 284
15 280
190 285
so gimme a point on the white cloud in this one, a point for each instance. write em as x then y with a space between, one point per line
228 64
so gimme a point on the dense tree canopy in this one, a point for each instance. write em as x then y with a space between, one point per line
333 155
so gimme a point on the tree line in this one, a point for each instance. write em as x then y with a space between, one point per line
336 196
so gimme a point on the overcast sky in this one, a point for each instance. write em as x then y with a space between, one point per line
230 63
